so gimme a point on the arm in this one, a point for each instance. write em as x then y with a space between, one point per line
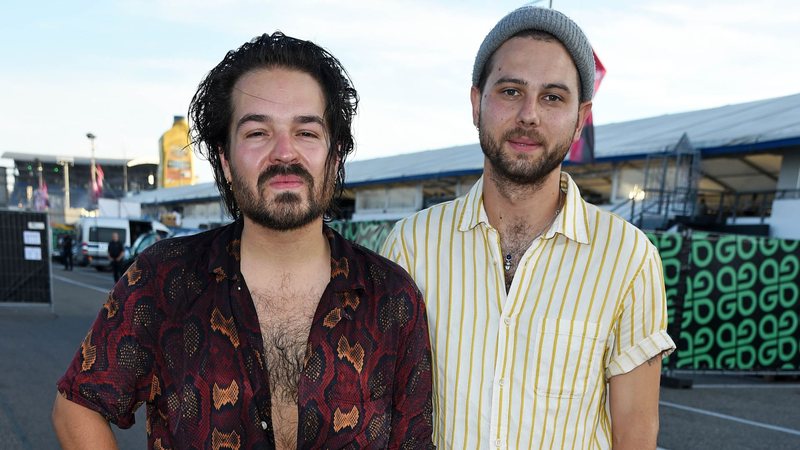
635 351
114 367
78 427
633 399
412 421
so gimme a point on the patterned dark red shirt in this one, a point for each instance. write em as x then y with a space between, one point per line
179 333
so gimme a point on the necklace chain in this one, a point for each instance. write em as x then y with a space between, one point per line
507 260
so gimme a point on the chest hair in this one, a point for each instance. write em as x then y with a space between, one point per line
285 315
515 241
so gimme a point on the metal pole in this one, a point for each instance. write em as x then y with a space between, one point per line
39 172
66 186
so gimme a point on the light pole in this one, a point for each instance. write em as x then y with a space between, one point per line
66 161
93 169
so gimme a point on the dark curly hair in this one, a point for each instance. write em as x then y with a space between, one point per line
211 107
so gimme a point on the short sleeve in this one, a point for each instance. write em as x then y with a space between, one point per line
113 370
640 331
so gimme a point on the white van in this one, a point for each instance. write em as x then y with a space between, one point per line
94 234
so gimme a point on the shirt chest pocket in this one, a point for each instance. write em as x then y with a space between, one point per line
570 357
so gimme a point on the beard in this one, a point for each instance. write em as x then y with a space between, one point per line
287 210
522 169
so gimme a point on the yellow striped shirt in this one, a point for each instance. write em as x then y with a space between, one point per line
529 369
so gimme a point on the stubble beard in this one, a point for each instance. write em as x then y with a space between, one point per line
521 171
286 211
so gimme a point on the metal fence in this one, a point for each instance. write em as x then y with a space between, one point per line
24 258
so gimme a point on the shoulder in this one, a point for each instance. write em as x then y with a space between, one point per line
439 217
377 274
193 246
623 235
380 267
183 264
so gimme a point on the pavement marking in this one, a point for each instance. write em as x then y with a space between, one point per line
747 386
731 418
78 283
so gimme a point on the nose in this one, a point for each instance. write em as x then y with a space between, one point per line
283 150
528 114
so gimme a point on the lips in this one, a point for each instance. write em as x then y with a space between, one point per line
285 176
524 140
286 182
524 145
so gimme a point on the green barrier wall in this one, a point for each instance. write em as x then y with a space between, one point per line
368 234
734 302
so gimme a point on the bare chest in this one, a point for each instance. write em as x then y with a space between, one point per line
285 314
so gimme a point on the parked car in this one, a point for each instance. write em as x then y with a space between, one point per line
149 238
140 244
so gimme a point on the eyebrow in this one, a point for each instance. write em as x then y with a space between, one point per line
522 82
263 118
511 80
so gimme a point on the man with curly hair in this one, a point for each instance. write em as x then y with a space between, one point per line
273 331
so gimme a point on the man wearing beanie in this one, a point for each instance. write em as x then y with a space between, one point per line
547 314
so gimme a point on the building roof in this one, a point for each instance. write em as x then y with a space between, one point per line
78 160
178 194
449 161
746 127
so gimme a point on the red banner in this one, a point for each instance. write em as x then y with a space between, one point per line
582 150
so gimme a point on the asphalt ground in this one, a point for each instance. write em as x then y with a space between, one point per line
37 344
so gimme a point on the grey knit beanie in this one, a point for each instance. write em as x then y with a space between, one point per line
547 20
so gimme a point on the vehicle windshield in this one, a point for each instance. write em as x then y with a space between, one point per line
142 242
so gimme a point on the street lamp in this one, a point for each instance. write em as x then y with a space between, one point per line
93 169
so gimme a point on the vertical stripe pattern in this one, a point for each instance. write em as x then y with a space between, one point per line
529 368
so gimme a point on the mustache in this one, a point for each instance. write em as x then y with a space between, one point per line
521 132
285 169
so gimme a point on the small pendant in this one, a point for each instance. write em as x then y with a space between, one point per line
507 263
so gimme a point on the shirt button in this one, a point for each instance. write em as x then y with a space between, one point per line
500 382
498 443
263 425
507 321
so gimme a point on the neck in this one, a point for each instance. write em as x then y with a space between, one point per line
284 249
510 205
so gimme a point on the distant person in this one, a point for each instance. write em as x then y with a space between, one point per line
273 331
702 206
548 315
66 251
116 252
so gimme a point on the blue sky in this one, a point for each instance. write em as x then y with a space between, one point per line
123 69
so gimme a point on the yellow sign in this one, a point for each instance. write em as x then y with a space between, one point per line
176 156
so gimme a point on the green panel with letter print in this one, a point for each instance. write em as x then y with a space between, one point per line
733 301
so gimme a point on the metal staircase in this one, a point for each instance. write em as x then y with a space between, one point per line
671 182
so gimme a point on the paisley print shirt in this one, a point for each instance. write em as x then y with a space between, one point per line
179 333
